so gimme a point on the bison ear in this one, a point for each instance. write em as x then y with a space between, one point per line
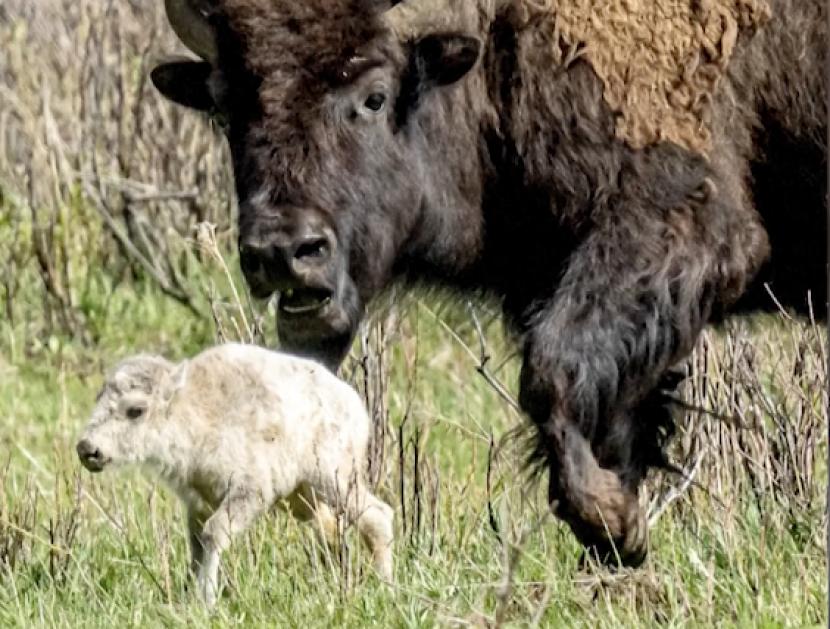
435 61
444 59
185 83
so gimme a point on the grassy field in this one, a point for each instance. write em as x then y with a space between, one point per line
90 551
100 258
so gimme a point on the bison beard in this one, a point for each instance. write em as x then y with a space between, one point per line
503 172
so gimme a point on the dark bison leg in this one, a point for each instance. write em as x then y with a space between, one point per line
632 301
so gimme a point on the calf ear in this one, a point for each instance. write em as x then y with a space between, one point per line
185 83
174 381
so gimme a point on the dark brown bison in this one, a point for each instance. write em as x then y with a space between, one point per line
475 158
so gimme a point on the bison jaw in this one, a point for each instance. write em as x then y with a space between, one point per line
304 302
319 324
189 19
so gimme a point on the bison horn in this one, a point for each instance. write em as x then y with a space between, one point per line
410 17
189 19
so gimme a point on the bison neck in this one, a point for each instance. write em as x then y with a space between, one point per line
518 161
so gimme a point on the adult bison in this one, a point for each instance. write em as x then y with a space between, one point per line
481 154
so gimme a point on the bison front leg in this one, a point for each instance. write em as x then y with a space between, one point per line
631 304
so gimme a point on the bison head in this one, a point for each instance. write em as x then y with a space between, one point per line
320 102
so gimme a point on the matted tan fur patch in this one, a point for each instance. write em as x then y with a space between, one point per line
660 60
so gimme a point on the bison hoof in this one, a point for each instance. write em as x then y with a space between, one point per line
613 555
604 516
628 546
618 539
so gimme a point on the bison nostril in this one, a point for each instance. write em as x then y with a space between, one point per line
249 260
312 248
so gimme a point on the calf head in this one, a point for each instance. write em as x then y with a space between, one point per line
126 413
318 100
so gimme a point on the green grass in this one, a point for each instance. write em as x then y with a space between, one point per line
78 550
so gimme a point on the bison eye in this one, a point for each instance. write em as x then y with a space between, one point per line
134 412
375 102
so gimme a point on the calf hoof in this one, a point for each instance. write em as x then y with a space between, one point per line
384 570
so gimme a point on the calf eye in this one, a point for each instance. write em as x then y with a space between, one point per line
134 412
375 102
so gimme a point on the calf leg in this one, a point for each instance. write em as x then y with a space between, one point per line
305 505
374 522
195 524
234 515
373 517
325 522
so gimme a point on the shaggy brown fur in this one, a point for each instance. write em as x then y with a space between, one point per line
496 168
660 61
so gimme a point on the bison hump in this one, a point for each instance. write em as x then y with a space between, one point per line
660 60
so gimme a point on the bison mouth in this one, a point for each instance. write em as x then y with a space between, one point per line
304 302
319 323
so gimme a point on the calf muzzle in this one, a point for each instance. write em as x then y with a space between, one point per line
91 457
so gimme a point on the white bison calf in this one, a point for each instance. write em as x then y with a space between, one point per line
233 431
